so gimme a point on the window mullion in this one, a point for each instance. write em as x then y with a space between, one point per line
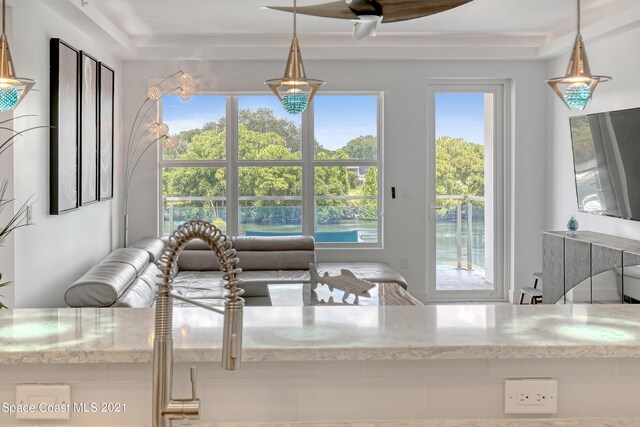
269 163
381 169
232 166
345 163
308 191
160 200
193 163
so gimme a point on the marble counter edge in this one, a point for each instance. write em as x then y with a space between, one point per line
330 354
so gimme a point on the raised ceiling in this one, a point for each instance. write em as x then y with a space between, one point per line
234 29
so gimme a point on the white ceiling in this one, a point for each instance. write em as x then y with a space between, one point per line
236 29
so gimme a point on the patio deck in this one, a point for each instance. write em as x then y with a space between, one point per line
453 279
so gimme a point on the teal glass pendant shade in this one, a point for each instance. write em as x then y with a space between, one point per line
577 86
294 101
577 96
9 97
294 90
12 89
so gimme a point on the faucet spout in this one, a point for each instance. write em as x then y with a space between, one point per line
164 407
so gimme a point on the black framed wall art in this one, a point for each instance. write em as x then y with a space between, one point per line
106 112
88 77
64 138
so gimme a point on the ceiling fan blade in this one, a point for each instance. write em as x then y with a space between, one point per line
366 26
336 9
365 7
388 10
403 10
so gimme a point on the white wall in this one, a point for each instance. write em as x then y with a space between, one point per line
6 173
405 86
607 57
6 250
349 392
56 250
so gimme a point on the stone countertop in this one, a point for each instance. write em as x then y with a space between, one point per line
124 335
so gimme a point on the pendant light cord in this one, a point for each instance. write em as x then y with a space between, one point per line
294 17
578 16
3 15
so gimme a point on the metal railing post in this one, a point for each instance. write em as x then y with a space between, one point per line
469 234
459 233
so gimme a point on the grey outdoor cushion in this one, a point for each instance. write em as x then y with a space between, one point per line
139 294
152 245
152 276
254 253
274 276
199 284
197 260
196 245
273 243
137 258
204 284
101 286
275 260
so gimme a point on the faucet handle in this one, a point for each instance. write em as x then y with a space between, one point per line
194 379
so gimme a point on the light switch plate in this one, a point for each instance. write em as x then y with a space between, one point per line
43 401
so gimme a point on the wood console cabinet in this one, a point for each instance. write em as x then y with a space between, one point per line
568 261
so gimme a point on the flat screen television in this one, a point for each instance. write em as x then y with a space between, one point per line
606 159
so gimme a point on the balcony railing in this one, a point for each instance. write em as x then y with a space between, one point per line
341 222
460 200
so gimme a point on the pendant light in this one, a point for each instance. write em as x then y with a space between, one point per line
576 88
12 89
294 90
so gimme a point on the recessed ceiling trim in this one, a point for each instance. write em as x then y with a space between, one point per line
391 40
339 53
89 18
545 37
608 26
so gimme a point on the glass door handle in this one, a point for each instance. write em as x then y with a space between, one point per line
435 208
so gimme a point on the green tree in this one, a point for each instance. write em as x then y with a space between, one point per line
370 188
264 120
196 144
264 136
363 148
459 167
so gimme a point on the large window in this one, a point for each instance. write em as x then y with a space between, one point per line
245 164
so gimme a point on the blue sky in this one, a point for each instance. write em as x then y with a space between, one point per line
460 115
338 119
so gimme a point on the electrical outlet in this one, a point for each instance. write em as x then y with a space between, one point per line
531 396
42 402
